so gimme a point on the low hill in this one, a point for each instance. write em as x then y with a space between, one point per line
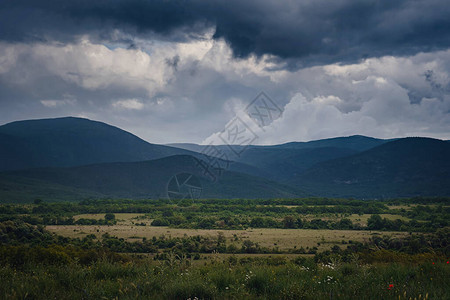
147 179
401 168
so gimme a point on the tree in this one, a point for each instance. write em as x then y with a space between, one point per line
110 217
375 222
257 222
248 246
345 224
289 222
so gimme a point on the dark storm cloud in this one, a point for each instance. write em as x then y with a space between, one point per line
29 20
301 32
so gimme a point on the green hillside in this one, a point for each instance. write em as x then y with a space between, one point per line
147 179
400 168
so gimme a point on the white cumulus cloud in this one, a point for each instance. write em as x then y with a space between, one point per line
129 104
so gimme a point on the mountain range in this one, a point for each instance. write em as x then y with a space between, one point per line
402 168
74 158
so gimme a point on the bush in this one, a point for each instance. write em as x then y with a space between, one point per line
110 217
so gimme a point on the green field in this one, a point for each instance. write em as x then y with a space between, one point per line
226 249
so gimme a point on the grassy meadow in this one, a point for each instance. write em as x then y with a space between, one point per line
218 249
260 279
284 239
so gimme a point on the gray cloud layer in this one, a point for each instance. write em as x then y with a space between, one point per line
178 71
303 32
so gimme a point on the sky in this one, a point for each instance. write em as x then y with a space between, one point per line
183 71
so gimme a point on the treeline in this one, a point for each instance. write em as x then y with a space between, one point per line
375 222
302 205
18 238
324 213
50 219
409 249
228 222
437 213
307 205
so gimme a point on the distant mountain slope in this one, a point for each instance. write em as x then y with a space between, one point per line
14 153
400 168
147 179
73 158
189 146
353 142
14 189
70 142
282 162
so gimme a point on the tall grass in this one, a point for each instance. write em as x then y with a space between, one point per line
229 279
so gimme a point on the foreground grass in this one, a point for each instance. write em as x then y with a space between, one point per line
232 279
